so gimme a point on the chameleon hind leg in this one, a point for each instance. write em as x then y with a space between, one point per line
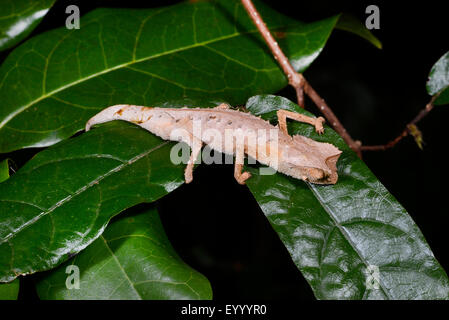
196 149
240 176
284 114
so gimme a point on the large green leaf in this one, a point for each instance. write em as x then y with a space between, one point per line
51 84
338 234
61 201
8 291
132 259
18 18
439 80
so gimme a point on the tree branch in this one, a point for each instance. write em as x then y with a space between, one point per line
424 112
301 85
297 80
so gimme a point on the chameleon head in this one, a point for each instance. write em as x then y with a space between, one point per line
324 176
311 161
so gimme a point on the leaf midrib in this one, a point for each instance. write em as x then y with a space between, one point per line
117 67
78 192
337 225
345 235
116 260
133 284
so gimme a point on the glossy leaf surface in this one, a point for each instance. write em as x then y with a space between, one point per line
61 201
18 18
131 260
351 240
50 85
8 291
439 80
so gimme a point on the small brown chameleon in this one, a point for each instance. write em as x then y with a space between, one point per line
296 156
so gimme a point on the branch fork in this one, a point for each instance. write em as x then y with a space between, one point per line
301 86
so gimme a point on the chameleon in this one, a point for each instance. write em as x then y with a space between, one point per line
296 156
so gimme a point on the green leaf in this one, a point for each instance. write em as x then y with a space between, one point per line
51 84
348 22
4 170
131 260
18 18
443 98
61 200
8 291
338 234
438 82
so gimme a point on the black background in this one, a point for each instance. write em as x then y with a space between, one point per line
215 224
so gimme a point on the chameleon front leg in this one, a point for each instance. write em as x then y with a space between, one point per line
284 114
240 176
196 149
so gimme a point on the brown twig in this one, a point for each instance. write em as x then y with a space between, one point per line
406 131
301 85
297 80
331 118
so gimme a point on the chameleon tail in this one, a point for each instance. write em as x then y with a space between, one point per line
135 114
